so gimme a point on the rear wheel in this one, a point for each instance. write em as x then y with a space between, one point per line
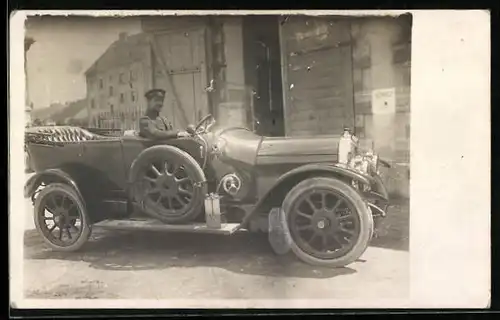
61 218
329 223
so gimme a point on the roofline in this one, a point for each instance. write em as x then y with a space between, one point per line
90 69
97 60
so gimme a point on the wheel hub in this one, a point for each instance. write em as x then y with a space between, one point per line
325 221
167 184
60 217
322 224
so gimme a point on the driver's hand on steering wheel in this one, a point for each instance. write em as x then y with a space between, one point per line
183 134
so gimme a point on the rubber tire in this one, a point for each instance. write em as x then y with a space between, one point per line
86 231
364 214
191 165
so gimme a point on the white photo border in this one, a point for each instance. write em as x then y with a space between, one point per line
450 165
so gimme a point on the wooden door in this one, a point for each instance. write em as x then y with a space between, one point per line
317 75
179 68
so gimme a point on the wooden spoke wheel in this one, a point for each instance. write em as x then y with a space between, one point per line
169 183
329 223
61 218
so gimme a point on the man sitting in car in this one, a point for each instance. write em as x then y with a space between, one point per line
154 126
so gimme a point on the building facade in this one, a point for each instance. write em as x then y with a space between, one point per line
116 83
292 75
351 72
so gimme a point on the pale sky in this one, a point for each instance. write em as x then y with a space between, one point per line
65 47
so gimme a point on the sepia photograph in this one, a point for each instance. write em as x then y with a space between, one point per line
217 157
152 142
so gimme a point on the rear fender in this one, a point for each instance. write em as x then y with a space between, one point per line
51 175
291 178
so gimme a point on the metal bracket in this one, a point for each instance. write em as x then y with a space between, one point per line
380 211
184 70
199 184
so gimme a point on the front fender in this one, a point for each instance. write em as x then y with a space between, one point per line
50 174
329 168
315 168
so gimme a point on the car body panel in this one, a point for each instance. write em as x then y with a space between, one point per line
298 146
45 157
100 166
133 145
34 181
238 145
270 184
109 156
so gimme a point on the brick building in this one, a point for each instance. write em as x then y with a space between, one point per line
117 81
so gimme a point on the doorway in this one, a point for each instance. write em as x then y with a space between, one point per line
262 60
301 71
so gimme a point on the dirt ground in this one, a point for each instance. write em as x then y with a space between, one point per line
142 265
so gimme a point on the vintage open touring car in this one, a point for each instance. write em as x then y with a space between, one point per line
316 196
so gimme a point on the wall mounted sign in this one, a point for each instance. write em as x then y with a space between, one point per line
384 101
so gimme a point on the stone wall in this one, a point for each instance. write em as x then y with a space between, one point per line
382 60
233 95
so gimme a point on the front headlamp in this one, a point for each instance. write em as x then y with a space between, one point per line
365 163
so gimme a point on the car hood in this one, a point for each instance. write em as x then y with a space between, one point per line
245 146
299 146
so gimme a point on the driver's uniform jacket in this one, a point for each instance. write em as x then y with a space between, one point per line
153 126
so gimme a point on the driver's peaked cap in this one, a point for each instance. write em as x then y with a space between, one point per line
150 94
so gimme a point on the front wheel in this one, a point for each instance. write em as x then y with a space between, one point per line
329 222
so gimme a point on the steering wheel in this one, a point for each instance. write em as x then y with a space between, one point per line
199 127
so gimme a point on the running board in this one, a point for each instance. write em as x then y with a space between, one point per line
155 225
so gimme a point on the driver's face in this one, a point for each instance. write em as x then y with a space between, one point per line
155 103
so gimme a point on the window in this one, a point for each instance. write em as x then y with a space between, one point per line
121 78
132 96
92 104
132 75
101 84
112 109
110 91
122 98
